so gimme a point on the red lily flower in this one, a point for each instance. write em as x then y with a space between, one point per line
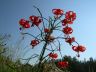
70 15
57 12
67 30
35 20
27 25
53 55
63 64
70 40
66 21
34 42
75 48
79 48
24 23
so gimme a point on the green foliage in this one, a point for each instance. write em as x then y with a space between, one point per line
6 65
3 65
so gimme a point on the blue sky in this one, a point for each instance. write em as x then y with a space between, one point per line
11 11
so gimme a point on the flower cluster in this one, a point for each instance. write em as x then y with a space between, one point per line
33 20
70 16
46 33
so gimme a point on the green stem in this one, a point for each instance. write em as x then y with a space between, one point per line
41 55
